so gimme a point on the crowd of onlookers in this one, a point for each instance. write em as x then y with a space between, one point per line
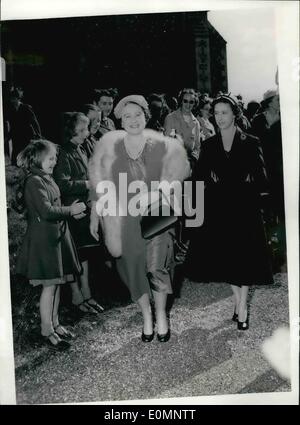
191 120
189 117
21 123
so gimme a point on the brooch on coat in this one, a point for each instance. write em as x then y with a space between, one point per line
214 177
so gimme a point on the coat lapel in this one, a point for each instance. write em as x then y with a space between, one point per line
237 144
78 156
48 179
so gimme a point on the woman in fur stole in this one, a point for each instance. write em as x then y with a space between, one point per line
135 154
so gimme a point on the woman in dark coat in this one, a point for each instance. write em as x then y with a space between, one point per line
94 115
48 255
231 244
267 127
23 124
71 175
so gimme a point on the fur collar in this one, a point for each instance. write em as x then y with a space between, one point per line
175 167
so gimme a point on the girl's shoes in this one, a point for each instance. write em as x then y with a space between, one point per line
81 308
64 333
94 305
87 307
55 343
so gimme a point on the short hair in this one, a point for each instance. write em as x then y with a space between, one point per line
231 102
266 102
98 93
154 97
187 91
253 107
171 102
70 121
87 107
203 102
16 92
34 153
201 105
114 91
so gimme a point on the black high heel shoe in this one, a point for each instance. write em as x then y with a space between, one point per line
58 345
164 337
147 338
243 326
235 317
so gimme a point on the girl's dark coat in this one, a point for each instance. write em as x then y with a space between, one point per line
48 251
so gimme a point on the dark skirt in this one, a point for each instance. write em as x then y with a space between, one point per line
231 245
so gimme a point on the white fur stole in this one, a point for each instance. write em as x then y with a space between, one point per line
175 167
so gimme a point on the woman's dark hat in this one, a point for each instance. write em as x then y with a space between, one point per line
226 98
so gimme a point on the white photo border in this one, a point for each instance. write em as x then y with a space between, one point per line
287 29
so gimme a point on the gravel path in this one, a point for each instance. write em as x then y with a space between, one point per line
206 355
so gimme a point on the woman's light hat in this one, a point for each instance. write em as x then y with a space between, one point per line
134 98
270 93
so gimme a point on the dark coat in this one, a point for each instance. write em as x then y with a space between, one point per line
231 245
106 125
48 251
89 146
70 174
271 141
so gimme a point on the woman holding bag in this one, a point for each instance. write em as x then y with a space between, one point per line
147 156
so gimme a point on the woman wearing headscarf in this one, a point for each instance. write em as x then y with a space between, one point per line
231 245
143 155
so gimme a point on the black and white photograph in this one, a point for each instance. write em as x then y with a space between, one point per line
149 204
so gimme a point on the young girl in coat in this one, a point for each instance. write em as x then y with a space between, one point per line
48 256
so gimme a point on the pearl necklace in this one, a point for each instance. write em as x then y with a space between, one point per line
134 154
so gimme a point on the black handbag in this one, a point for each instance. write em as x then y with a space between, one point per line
158 217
